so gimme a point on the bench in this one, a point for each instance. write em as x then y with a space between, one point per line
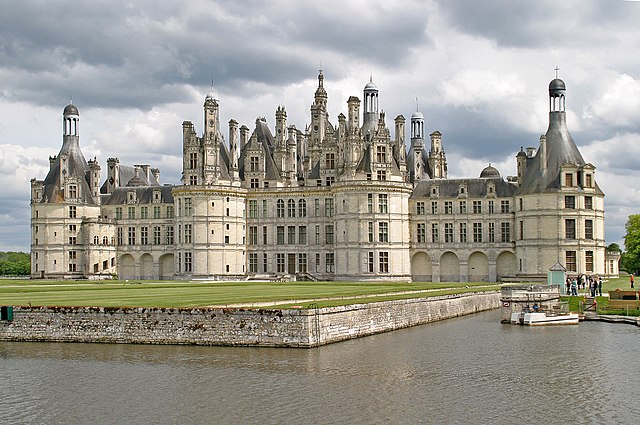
615 304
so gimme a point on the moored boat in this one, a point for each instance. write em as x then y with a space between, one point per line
542 318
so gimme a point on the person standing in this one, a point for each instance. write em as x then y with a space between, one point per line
631 279
600 285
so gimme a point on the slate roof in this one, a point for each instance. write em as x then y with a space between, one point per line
476 188
77 165
144 195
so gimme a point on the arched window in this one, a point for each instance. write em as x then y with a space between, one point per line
280 208
291 208
105 240
302 208
96 240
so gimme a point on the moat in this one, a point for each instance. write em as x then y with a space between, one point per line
465 370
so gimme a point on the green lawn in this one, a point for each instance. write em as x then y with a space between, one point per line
198 294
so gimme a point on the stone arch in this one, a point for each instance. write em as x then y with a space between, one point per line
126 267
421 267
146 266
478 267
506 264
167 267
449 267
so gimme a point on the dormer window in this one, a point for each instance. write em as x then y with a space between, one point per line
568 179
588 182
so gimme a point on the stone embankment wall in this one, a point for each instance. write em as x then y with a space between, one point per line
234 326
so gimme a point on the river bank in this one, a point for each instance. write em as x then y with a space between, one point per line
300 328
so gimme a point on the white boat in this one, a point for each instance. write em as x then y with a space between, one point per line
542 318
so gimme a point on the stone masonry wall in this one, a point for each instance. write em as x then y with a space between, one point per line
248 327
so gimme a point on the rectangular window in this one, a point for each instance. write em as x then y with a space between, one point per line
144 212
253 208
434 207
381 175
588 202
330 161
73 191
421 233
448 232
588 229
131 213
570 202
254 183
187 262
280 263
317 262
187 233
463 207
370 264
570 257
118 213
144 235
463 232
382 203
302 235
381 154
329 262
383 231
73 212
169 211
588 263
120 236
132 236
477 207
72 228
193 180
477 232
156 211
291 235
317 234
492 232
169 235
420 208
156 235
491 207
328 207
253 262
302 262
370 202
316 207
264 235
265 262
187 207
328 232
434 232
570 228
302 208
505 232
193 160
383 262
72 255
265 209
505 206
448 207
371 231
254 164
568 179
253 235
280 235
587 180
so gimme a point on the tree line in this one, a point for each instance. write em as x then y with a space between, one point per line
15 264
630 260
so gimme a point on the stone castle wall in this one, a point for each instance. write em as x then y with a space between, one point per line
234 326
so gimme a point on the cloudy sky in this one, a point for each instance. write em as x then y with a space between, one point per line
479 69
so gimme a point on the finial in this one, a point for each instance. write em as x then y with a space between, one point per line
556 69
212 82
417 107
70 100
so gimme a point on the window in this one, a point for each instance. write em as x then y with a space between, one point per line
72 228
463 207
383 231
491 207
156 211
132 236
193 160
105 240
73 240
570 257
370 262
169 211
588 183
588 257
316 207
72 212
521 229
265 262
328 207
131 213
291 235
120 236
504 206
280 235
253 208
492 232
265 209
570 228
254 164
302 235
477 232
505 232
254 183
588 202
570 202
169 235
302 208
317 234
381 175
330 161
280 208
448 207
568 179
477 207
434 207
144 212
302 262
420 208
291 208
434 232
381 154
193 180
448 232
72 255
463 232
328 233
383 203
370 202
280 263
118 213
253 235
421 231
329 262
253 262
383 262
187 207
73 191
144 235
371 231
187 262
156 235
588 229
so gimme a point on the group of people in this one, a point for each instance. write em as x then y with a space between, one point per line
591 283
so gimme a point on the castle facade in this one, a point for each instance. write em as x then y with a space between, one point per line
332 201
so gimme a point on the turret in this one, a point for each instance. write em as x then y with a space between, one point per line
370 106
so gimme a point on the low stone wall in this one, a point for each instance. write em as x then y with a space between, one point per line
234 326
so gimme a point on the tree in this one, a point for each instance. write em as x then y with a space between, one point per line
614 247
631 257
15 264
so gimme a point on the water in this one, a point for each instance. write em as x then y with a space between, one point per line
466 370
